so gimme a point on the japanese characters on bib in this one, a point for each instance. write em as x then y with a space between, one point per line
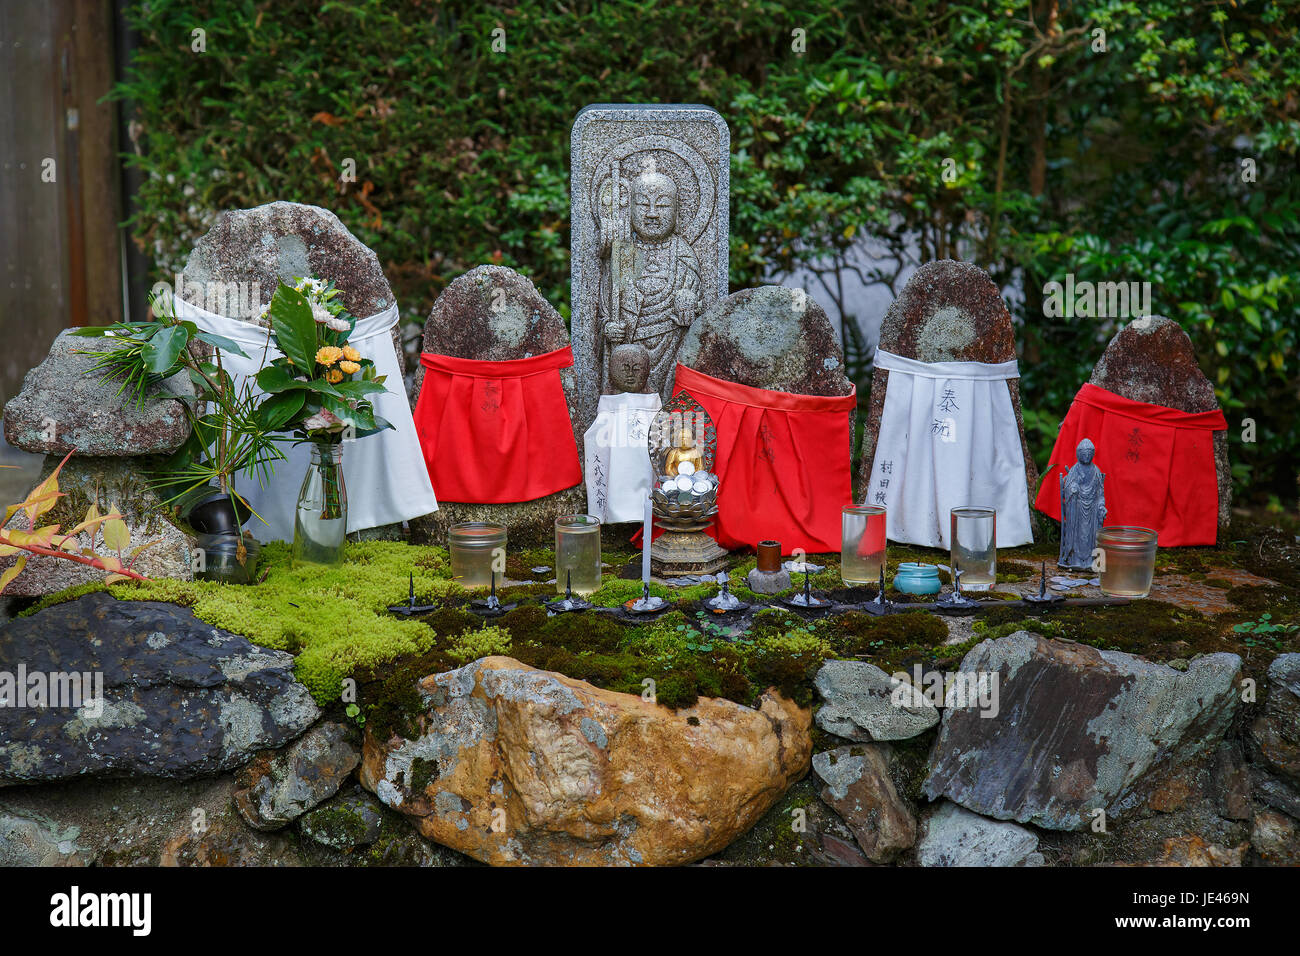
385 476
948 438
497 432
619 472
782 463
1159 465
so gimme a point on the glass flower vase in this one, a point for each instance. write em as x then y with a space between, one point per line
321 524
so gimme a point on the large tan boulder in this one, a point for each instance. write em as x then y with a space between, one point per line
516 766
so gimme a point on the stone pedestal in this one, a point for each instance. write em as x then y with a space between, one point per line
767 582
675 553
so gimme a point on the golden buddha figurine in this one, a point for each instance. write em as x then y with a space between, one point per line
684 451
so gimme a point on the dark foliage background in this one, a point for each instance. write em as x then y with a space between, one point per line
1122 165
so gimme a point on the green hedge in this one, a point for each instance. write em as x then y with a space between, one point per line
1121 165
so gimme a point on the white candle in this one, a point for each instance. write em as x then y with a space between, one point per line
646 535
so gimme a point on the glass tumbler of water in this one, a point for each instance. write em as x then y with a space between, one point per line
1128 561
577 553
862 544
973 544
477 552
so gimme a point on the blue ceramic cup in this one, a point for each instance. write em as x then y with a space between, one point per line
914 578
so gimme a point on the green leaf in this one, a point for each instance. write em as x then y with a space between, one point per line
359 389
229 346
273 379
277 410
293 328
163 348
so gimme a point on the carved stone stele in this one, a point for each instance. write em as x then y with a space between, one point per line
649 187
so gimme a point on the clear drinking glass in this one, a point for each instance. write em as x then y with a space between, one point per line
321 520
475 548
577 553
1128 561
973 545
862 543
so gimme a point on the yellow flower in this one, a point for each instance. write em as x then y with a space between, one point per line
351 354
350 367
328 354
333 376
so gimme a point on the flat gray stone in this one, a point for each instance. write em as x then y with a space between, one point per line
279 786
1276 734
29 841
860 704
690 145
65 407
346 822
180 698
1076 730
953 836
859 788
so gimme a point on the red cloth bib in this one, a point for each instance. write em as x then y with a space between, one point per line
1158 462
496 432
782 463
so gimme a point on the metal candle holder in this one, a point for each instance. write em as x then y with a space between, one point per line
956 602
724 602
806 601
1042 597
646 603
411 607
879 604
568 602
492 607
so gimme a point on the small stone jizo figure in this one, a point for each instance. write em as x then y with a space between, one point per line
629 368
1083 509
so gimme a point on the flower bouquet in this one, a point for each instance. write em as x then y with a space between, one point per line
318 389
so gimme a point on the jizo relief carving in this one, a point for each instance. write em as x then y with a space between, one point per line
649 192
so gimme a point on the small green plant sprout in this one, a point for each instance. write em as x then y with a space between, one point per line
354 712
50 541
1266 629
1265 625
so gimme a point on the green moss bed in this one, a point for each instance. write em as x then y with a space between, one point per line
336 622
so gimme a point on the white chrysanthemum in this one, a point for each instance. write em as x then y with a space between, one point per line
324 317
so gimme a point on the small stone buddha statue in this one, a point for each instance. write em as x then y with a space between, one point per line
1083 509
629 368
685 450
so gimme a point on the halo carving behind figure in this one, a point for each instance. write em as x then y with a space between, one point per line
672 157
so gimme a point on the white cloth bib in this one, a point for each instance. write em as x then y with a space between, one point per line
385 474
948 438
619 473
